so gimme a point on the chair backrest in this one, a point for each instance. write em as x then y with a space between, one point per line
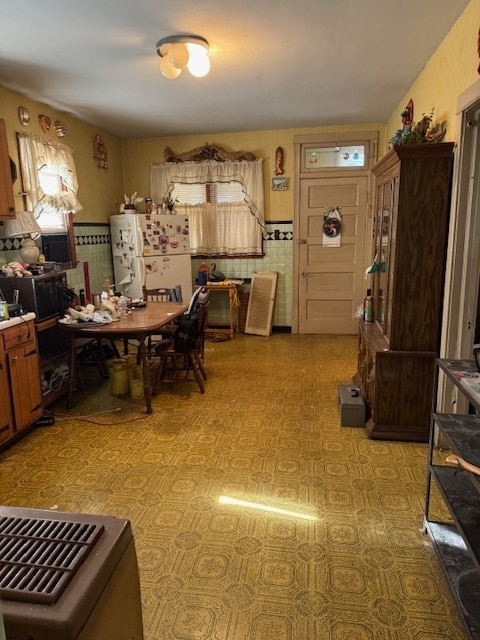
200 297
190 331
157 295
176 293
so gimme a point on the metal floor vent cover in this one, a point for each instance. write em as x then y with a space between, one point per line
38 557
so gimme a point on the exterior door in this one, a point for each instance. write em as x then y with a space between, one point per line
332 171
331 279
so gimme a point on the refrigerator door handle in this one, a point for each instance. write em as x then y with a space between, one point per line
142 267
139 239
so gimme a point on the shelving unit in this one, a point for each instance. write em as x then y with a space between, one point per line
397 350
456 539
54 352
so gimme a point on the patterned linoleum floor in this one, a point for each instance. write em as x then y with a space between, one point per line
345 560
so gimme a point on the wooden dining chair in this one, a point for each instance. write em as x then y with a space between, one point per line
199 297
157 295
176 365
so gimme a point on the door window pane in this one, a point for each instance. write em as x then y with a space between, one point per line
335 157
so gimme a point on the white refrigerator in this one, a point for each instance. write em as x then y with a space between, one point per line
151 251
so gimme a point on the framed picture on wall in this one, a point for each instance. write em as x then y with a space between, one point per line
279 184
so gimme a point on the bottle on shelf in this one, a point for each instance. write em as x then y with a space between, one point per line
381 307
369 293
368 307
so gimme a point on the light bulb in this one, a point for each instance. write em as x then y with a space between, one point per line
199 62
167 70
178 55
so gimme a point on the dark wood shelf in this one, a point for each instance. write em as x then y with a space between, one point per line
50 356
53 349
50 397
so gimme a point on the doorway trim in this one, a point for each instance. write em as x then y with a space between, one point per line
463 263
370 139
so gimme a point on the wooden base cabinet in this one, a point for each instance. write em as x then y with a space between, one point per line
397 350
398 408
20 393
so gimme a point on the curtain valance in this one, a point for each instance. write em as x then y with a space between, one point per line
248 173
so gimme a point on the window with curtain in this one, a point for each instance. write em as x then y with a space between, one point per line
50 186
223 200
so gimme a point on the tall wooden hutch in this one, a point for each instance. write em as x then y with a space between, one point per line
397 350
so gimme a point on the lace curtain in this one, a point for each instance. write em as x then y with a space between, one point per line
37 157
232 229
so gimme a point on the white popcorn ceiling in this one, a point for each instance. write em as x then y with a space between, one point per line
275 64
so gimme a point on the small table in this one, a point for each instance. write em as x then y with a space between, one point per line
139 324
233 305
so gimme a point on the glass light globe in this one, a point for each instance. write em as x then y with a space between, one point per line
199 62
167 70
178 55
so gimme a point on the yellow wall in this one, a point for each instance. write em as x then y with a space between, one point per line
451 70
99 190
130 160
141 153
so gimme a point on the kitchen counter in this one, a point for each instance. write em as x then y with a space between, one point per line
11 322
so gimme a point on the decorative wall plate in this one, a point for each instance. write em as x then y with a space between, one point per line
44 122
60 128
23 116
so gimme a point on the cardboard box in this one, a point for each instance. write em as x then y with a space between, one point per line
351 406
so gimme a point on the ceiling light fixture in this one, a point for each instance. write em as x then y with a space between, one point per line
180 52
